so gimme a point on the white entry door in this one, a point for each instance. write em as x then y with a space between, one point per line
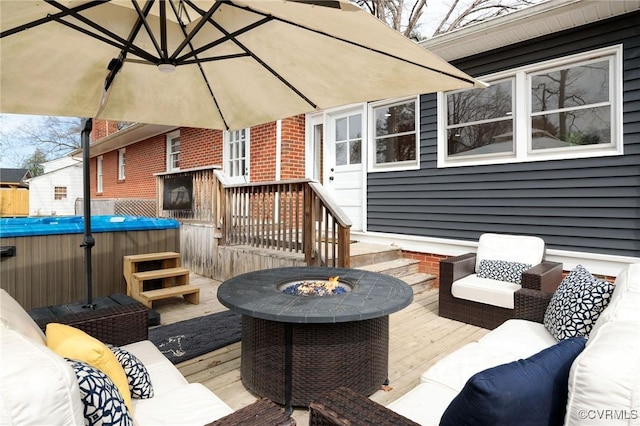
344 170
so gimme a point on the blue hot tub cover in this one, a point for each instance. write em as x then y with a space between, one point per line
53 225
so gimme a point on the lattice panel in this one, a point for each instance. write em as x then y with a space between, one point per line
136 207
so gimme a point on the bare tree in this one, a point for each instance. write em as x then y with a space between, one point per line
52 137
405 15
466 12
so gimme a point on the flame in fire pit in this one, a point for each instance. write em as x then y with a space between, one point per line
315 288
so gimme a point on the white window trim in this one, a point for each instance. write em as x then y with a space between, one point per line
169 138
522 124
245 178
372 167
99 175
333 118
121 163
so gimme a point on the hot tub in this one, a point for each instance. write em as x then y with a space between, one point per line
47 264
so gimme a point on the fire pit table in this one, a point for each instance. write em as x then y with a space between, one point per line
295 347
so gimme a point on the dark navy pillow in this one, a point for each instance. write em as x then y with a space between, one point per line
530 391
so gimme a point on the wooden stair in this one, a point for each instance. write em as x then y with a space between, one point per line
173 279
389 260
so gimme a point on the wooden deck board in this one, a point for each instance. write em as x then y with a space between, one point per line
418 339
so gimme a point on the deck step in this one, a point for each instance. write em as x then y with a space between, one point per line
148 257
362 254
190 292
396 268
420 282
161 273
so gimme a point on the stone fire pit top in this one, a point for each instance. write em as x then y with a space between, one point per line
257 294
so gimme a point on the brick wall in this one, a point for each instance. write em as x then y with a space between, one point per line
102 128
262 165
200 147
142 160
293 146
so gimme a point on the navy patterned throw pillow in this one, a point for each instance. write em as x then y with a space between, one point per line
577 304
502 270
101 399
136 372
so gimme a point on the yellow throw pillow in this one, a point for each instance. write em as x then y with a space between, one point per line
69 342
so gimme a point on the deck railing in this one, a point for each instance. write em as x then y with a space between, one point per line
294 216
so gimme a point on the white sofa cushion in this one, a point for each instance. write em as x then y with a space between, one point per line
38 386
425 403
188 405
512 248
604 382
520 338
625 300
454 369
485 290
13 316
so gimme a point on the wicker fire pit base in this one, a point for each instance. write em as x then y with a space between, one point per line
323 356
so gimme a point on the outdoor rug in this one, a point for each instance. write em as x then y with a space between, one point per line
188 339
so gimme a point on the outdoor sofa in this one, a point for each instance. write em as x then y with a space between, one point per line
521 374
40 387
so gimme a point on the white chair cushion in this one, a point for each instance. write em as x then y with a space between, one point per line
38 386
520 338
512 248
188 405
605 378
165 377
13 316
485 290
424 404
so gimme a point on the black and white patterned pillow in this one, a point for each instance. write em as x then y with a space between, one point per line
577 304
103 404
137 374
502 270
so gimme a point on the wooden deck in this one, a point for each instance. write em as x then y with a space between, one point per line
418 338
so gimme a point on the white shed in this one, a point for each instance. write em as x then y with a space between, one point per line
55 192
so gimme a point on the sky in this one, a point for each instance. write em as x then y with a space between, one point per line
10 158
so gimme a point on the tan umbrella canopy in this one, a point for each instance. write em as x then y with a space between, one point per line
210 64
202 63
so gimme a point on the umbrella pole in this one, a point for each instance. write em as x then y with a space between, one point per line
88 241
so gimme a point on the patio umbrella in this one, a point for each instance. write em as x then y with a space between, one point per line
203 63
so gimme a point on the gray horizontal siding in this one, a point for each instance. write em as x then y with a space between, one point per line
587 205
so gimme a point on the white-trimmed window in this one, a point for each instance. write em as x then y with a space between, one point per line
395 138
99 174
121 163
173 151
59 193
564 108
236 155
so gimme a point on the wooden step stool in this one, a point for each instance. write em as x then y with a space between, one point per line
174 279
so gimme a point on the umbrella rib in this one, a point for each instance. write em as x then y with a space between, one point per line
115 39
230 36
255 57
48 19
204 77
381 52
142 18
194 31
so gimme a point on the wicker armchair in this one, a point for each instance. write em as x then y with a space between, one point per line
530 302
